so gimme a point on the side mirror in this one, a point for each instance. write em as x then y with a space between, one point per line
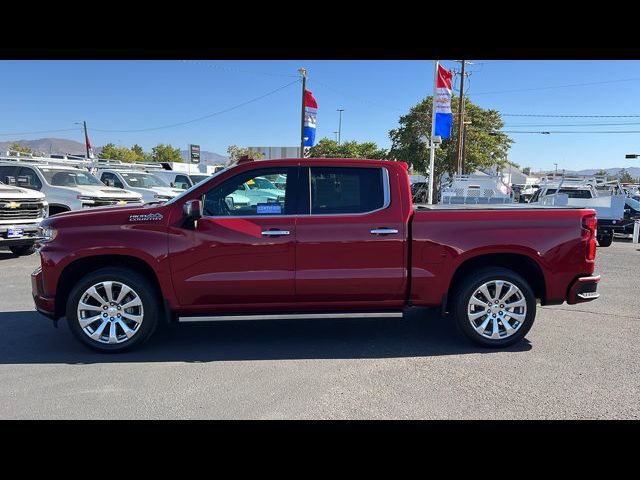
192 210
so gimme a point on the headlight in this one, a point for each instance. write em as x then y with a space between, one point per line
85 198
48 234
162 197
45 209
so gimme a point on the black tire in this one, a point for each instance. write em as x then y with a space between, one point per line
605 240
23 250
470 285
144 290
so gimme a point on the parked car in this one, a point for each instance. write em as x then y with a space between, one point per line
151 187
346 242
21 211
177 180
66 188
261 190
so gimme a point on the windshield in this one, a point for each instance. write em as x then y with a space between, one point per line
186 192
143 180
68 178
576 193
198 178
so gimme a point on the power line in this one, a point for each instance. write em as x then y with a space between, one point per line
239 70
559 86
200 118
568 131
566 116
39 131
570 124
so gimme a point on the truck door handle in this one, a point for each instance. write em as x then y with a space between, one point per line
275 232
383 231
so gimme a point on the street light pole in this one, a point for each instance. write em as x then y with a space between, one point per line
556 173
340 110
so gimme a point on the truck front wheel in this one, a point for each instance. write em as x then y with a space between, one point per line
494 307
113 309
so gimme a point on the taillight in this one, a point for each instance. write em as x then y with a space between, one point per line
589 224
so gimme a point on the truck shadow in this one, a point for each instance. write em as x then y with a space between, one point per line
27 337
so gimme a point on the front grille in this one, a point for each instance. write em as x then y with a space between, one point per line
26 210
106 202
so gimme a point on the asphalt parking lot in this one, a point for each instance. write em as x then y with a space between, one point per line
578 362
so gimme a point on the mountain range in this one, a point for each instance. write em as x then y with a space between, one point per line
71 147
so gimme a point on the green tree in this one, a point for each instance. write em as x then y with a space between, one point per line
165 153
625 176
20 148
327 148
485 145
236 152
110 151
138 153
601 173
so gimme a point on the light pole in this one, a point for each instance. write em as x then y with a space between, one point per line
339 110
336 134
556 172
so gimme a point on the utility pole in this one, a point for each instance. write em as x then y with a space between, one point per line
302 72
556 173
340 110
86 143
460 152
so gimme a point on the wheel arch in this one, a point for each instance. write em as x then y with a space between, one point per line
523 265
77 269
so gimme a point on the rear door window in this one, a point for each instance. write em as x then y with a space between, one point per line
346 190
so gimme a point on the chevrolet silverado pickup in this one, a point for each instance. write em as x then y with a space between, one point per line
343 241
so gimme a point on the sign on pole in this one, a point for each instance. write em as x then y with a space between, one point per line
194 153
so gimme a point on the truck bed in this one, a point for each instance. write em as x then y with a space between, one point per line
422 207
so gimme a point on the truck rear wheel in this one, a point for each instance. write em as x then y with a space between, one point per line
23 250
605 240
494 307
113 309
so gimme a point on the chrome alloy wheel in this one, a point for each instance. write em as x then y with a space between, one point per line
497 309
110 312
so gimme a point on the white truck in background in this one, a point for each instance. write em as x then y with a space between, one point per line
66 184
21 211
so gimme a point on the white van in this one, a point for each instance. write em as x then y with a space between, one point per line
21 212
65 187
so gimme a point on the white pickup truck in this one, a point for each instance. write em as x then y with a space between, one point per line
21 212
150 187
65 187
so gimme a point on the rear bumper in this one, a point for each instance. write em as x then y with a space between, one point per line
583 289
44 305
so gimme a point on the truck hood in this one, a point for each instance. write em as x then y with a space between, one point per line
101 191
16 193
112 215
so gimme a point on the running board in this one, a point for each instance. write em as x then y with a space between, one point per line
291 316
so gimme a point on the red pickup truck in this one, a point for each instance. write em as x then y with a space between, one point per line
310 238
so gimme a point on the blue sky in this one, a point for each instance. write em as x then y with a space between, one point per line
130 95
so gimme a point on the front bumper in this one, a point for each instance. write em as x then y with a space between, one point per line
583 289
29 238
44 305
